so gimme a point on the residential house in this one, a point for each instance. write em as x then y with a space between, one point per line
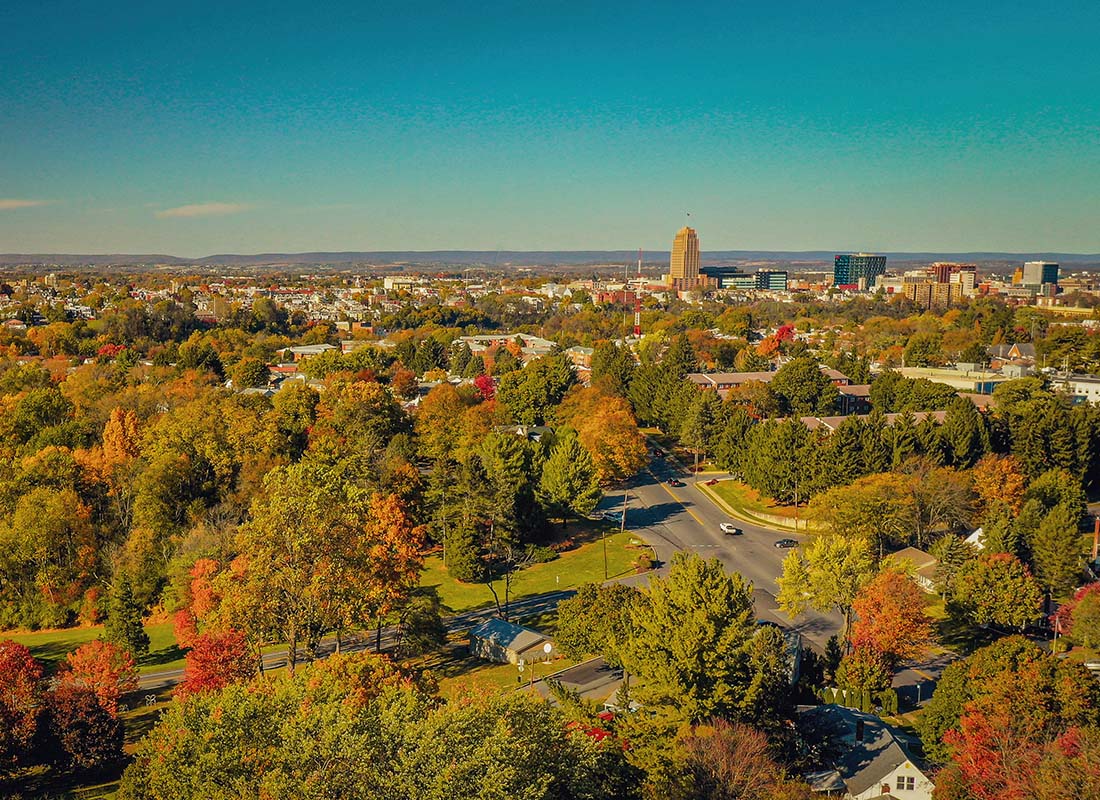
863 757
924 567
508 643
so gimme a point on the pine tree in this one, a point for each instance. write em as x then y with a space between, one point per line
464 562
123 625
570 483
904 437
1056 551
963 434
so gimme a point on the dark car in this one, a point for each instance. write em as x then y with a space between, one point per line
786 543
712 482
674 482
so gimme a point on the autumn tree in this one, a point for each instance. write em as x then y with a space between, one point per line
826 575
323 554
103 668
215 660
20 698
890 616
82 732
608 430
878 508
999 479
720 760
997 588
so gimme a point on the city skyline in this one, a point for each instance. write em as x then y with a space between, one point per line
219 129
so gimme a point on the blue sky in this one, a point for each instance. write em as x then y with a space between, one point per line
201 128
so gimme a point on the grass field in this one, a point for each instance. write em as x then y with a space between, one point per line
51 646
583 564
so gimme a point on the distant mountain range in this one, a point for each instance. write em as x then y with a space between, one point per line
503 258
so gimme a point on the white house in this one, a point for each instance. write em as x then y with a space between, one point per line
871 761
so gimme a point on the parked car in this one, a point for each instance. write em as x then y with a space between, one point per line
786 543
712 482
613 516
730 529
674 482
658 452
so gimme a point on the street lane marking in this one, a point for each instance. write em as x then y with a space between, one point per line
694 516
923 674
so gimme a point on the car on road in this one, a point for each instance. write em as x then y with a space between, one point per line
612 516
674 482
784 544
712 482
730 529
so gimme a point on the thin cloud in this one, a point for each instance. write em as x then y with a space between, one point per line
11 204
203 210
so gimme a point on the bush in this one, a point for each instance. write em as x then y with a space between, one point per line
538 554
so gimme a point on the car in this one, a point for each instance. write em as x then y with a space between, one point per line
730 529
784 544
612 516
658 453
712 482
674 482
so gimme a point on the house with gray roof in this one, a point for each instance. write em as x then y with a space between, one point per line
859 756
507 643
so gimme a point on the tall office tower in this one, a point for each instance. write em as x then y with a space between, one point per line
857 270
1040 273
683 267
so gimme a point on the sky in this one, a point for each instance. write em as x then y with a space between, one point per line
199 128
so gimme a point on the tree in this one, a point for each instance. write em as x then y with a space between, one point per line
300 734
612 368
699 427
689 642
608 430
1079 618
724 761
215 660
803 388
825 575
596 620
878 508
999 479
103 668
320 554
531 393
964 433
1052 687
864 671
997 588
952 553
83 733
249 372
570 483
123 626
890 617
1057 552
20 697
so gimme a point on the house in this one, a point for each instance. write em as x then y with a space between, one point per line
305 351
1002 353
862 758
924 567
722 382
507 643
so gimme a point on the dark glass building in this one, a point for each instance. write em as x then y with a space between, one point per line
857 270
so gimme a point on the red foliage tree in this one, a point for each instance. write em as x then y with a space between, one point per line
104 669
83 733
20 699
185 628
216 660
486 386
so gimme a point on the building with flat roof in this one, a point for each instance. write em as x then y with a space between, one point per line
972 381
1040 273
857 270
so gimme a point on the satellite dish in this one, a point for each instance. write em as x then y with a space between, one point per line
546 648
521 666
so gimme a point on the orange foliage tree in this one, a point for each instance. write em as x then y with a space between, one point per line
103 668
607 429
216 660
999 479
890 616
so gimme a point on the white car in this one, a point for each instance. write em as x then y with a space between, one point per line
729 529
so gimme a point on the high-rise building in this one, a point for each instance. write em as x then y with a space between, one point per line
1040 273
857 270
683 266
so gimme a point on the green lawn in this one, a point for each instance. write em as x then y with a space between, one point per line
741 497
583 564
52 646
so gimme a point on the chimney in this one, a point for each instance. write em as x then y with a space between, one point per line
859 730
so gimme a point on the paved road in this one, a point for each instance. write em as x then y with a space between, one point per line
683 518
526 607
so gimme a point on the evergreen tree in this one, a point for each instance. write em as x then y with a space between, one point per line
464 561
505 362
876 444
460 358
474 367
1057 554
612 367
929 443
729 446
904 439
1000 533
123 625
844 452
963 433
570 482
699 427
